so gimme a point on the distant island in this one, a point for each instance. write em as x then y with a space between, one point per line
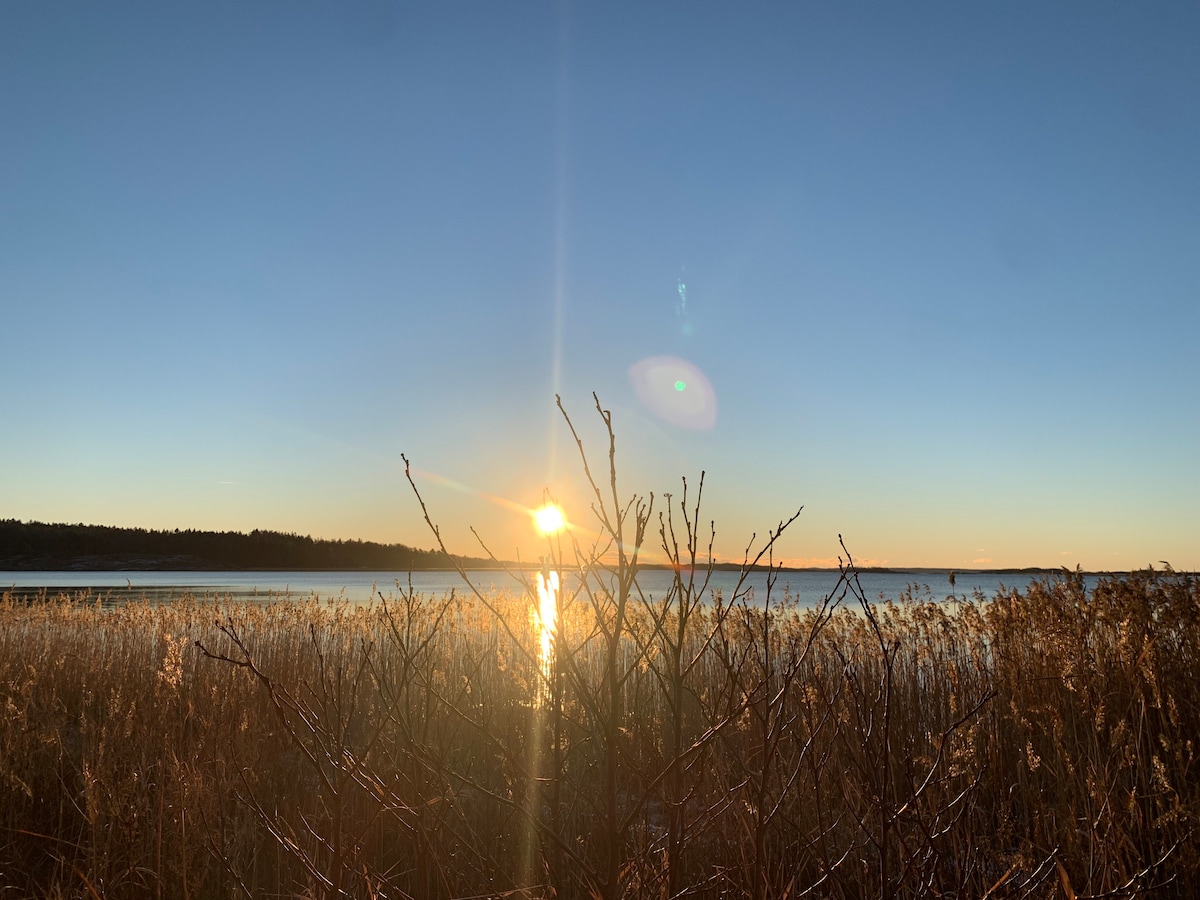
37 546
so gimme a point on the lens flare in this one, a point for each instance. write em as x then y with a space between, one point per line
675 391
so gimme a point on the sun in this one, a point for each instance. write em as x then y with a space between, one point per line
550 519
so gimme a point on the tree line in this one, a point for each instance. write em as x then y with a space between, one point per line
26 546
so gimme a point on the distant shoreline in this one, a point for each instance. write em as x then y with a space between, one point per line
185 564
61 547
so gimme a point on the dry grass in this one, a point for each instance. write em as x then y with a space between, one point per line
1033 744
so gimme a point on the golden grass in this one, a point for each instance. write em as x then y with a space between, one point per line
1032 744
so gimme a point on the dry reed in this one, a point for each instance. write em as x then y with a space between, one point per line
1036 743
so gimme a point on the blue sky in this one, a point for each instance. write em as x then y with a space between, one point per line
941 264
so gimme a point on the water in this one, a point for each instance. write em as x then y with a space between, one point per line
809 587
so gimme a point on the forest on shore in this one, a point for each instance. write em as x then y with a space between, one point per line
38 546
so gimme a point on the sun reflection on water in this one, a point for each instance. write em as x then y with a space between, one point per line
547 621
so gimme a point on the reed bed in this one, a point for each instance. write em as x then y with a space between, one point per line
1032 744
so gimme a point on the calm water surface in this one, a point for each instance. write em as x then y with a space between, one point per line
809 587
